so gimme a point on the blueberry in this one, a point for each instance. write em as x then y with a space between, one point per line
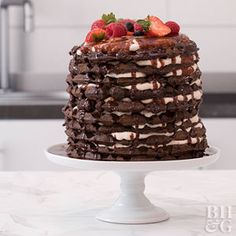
129 26
139 33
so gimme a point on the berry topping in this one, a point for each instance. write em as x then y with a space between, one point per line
124 21
145 24
174 27
139 33
157 27
109 27
101 24
115 30
109 18
138 27
95 35
129 26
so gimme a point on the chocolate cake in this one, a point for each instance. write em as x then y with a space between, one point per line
135 98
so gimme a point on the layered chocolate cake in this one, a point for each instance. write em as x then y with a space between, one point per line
135 91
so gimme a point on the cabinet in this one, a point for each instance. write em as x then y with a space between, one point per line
22 143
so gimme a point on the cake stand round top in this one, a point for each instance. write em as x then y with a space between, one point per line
57 154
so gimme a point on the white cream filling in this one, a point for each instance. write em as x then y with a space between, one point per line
119 113
126 75
173 142
178 59
78 52
180 71
168 99
148 125
117 145
126 135
134 46
198 82
145 86
126 100
143 136
194 119
146 101
160 62
147 113
196 95
86 85
109 99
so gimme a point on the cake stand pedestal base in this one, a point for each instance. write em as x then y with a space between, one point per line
132 206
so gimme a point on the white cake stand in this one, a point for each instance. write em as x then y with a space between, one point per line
132 206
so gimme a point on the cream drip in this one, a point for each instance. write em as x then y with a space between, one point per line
78 52
134 46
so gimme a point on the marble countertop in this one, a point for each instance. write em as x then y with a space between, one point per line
64 203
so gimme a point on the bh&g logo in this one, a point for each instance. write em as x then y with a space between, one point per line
219 218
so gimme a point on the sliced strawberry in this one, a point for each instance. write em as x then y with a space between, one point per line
174 28
95 35
101 24
157 27
115 30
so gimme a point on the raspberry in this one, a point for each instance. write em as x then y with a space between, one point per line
174 28
124 21
138 27
115 30
98 24
129 24
95 35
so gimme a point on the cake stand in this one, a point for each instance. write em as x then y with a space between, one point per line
132 206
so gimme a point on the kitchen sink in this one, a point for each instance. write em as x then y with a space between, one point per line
35 90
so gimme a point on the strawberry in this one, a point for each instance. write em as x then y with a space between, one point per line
138 27
95 35
98 24
174 27
115 30
157 27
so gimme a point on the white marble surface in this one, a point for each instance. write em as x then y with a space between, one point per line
64 203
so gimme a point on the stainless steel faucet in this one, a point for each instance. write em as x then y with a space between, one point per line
4 35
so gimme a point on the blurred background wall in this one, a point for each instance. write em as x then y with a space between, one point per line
60 24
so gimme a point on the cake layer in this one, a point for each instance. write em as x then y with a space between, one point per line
171 152
134 48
